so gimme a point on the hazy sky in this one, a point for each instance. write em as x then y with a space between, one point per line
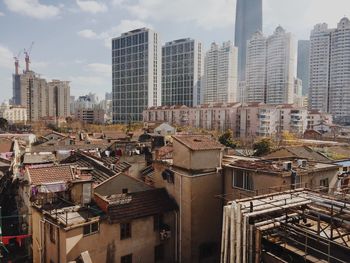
72 37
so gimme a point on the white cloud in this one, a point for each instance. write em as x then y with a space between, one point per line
91 6
6 58
2 14
207 14
88 33
124 26
100 68
33 8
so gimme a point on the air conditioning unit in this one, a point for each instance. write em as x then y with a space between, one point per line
287 166
302 163
164 234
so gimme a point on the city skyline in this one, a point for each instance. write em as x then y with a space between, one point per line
88 25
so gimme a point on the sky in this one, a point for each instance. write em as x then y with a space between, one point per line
72 38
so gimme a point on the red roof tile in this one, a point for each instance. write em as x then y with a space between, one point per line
50 174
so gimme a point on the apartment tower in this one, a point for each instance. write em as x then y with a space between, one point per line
220 74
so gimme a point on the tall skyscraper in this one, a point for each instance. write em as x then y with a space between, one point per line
303 65
220 74
256 68
270 68
182 69
248 21
330 70
136 74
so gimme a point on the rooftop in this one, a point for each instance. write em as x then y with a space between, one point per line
198 142
52 174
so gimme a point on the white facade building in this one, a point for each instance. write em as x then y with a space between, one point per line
13 114
330 70
270 68
220 74
136 74
280 68
182 70
256 68
320 46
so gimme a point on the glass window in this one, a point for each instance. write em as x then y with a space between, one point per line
125 230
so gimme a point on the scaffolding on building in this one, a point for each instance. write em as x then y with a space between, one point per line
298 225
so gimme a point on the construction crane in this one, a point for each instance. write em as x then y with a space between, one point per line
16 58
27 53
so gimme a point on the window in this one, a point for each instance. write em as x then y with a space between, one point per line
242 179
324 183
126 259
52 232
91 229
159 253
157 222
125 231
168 175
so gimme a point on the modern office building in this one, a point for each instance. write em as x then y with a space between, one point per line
303 65
220 74
330 70
136 74
182 69
256 68
248 21
270 68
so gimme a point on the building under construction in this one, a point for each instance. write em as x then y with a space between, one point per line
292 226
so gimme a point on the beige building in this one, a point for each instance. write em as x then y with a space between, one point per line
132 222
191 175
41 98
96 115
13 114
245 120
245 177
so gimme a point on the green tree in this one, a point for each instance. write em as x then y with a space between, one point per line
262 147
4 124
227 139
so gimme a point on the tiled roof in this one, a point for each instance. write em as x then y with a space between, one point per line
142 204
50 174
98 172
38 158
198 142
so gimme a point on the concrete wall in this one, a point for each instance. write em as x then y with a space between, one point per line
105 245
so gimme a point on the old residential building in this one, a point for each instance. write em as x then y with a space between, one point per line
251 119
129 222
246 176
191 175
13 113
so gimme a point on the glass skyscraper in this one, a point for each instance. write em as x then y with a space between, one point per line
136 74
248 21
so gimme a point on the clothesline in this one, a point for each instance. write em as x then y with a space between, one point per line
19 239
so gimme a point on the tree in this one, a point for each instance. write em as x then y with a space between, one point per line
262 147
227 139
4 124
